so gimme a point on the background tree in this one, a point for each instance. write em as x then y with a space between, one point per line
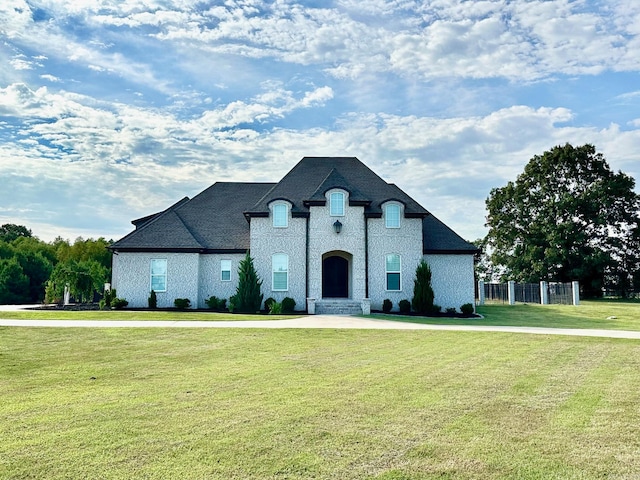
566 217
14 284
9 232
248 297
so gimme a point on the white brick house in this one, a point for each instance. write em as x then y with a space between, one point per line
330 229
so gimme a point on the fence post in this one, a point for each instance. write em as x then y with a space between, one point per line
481 292
544 293
512 292
575 287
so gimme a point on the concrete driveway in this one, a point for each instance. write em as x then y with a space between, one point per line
309 321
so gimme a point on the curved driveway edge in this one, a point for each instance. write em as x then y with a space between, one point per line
317 321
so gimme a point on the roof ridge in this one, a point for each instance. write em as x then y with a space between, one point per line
198 241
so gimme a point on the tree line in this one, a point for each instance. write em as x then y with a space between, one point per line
567 217
33 271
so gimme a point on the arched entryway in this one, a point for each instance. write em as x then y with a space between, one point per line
335 275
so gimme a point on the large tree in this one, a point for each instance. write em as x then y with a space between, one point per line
566 217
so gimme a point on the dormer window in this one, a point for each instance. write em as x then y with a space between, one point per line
336 208
392 215
280 214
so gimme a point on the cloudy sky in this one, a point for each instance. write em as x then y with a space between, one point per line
114 109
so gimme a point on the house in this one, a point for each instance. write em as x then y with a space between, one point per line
331 234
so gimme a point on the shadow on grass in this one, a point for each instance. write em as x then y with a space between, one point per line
592 314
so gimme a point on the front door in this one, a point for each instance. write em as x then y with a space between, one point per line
335 277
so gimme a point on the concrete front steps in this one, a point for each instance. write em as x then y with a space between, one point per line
338 306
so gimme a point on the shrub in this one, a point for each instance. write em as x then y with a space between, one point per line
107 299
247 298
182 303
288 304
118 303
216 304
422 301
451 310
153 300
268 302
275 308
387 305
405 306
467 309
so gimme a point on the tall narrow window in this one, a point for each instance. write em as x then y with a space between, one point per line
280 269
393 272
336 201
225 270
392 216
159 275
280 215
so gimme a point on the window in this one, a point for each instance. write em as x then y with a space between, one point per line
393 272
225 270
392 216
280 215
336 200
159 275
280 269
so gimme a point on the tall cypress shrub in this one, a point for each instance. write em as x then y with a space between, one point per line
248 297
422 301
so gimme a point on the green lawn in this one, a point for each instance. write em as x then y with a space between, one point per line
589 314
135 315
323 404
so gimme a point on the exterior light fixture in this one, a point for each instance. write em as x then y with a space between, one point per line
337 226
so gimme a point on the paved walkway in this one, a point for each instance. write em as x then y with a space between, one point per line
311 321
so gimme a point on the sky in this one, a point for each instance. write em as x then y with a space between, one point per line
111 110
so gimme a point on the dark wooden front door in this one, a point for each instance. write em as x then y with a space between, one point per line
335 277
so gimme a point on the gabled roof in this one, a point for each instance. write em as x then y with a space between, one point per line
211 221
438 238
307 182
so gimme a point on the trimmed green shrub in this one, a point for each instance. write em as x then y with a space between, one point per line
118 303
153 300
216 304
275 308
288 304
451 310
182 303
107 299
467 309
248 297
422 301
268 302
405 306
387 305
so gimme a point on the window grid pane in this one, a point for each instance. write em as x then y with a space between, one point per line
225 270
392 216
280 269
337 204
158 275
279 215
393 281
393 272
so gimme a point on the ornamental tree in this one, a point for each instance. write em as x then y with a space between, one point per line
566 217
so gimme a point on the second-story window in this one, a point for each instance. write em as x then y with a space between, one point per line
336 208
280 215
392 215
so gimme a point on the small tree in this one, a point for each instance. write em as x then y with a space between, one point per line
422 301
248 297
153 299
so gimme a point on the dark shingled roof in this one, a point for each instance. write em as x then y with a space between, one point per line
438 238
213 221
307 182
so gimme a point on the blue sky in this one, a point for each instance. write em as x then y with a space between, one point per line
111 110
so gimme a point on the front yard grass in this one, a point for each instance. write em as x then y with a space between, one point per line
589 314
323 404
136 315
